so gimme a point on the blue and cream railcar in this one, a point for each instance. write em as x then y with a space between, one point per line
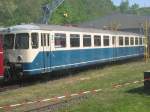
34 49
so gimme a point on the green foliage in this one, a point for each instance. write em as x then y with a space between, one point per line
27 11
19 11
124 6
134 9
144 11
81 10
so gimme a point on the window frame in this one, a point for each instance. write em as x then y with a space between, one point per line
127 41
97 40
85 44
121 42
75 36
63 40
136 41
37 40
132 44
106 37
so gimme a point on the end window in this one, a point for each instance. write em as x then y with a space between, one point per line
22 41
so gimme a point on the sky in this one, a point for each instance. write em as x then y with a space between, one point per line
142 3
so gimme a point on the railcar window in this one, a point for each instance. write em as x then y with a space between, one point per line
60 40
113 40
9 41
97 40
34 40
140 41
126 40
136 41
121 41
48 39
74 40
43 39
106 40
22 41
131 41
86 40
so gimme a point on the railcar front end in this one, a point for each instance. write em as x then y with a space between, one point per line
20 50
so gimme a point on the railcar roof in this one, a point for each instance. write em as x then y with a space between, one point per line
65 28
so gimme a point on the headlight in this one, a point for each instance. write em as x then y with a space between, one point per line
19 59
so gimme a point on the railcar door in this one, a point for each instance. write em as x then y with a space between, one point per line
46 57
114 49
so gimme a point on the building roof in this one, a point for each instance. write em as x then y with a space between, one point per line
124 21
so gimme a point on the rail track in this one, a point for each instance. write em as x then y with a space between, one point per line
27 81
65 104
16 84
10 87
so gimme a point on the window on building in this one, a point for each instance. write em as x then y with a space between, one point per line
132 41
86 40
136 41
97 40
60 40
74 40
126 40
121 41
34 40
106 40
140 41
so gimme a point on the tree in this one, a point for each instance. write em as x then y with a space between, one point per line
135 9
14 12
124 6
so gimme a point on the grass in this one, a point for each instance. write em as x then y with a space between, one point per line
127 99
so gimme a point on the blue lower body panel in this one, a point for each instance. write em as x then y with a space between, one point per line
56 60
